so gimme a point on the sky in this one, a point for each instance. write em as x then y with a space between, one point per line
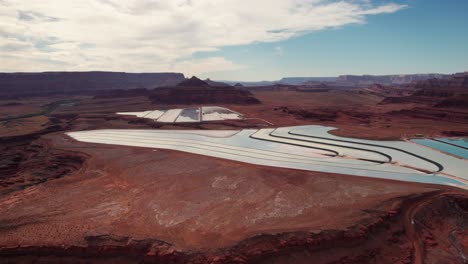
244 40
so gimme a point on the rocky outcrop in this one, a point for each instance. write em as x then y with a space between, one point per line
450 92
460 101
27 160
189 92
442 229
456 81
193 82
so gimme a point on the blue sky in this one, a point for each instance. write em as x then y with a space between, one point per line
235 39
429 36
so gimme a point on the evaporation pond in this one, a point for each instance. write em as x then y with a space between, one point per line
447 148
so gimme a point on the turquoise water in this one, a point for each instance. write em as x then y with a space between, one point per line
457 151
462 142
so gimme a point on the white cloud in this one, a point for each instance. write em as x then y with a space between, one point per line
157 35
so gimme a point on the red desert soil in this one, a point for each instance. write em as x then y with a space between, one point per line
65 201
176 207
22 126
355 114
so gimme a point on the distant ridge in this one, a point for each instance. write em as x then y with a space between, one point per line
45 83
301 80
389 79
348 80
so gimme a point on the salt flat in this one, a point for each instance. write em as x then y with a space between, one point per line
188 115
258 147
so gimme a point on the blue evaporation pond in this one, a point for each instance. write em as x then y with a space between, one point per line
447 148
462 142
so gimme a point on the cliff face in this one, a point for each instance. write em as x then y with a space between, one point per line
388 79
450 92
21 84
450 89
456 81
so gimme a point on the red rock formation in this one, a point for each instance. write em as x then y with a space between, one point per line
193 82
457 102
49 83
449 92
202 95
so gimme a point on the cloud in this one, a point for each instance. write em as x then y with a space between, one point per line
35 17
158 35
200 66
